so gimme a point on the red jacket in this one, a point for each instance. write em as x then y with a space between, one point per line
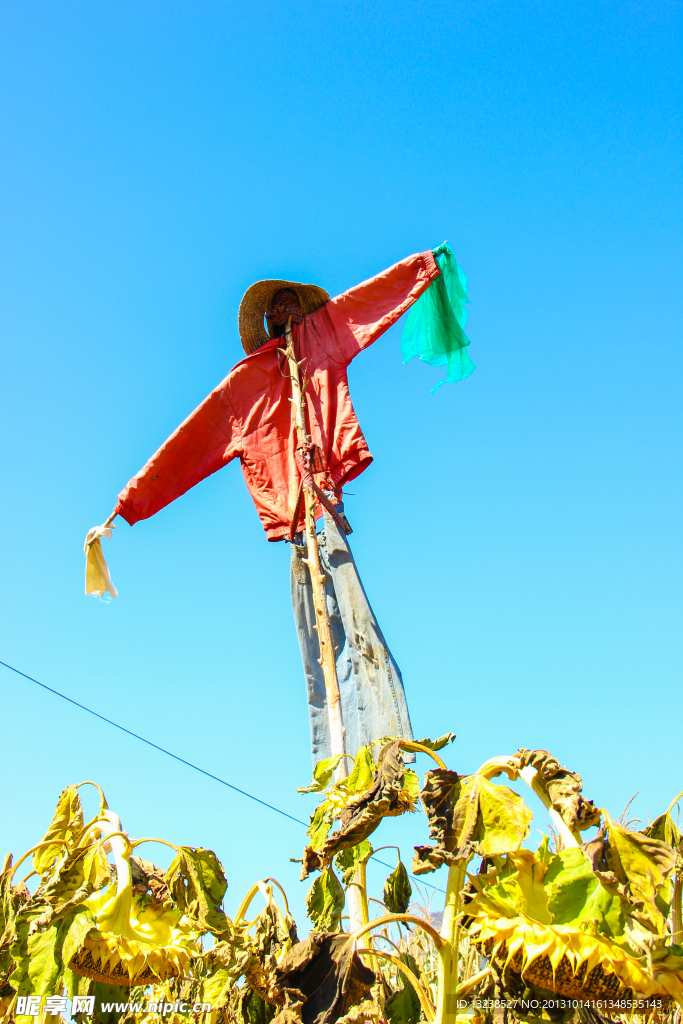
249 414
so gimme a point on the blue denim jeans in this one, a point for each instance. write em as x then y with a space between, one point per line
370 685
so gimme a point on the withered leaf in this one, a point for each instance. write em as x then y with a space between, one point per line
11 899
268 938
223 966
439 796
468 815
665 829
386 797
66 825
197 883
148 878
563 788
321 979
247 1007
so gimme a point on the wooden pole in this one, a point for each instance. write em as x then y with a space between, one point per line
327 658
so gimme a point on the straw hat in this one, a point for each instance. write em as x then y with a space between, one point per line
258 300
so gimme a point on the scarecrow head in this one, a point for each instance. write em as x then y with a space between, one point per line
267 306
285 305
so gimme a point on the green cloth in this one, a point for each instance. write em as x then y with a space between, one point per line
434 326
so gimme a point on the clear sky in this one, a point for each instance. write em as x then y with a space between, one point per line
518 533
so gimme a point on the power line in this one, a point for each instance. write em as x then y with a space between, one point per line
155 745
175 757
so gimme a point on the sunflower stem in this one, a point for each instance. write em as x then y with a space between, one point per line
677 911
447 979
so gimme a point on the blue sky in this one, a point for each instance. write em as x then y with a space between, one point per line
518 533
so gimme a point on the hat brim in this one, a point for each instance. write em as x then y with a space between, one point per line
257 301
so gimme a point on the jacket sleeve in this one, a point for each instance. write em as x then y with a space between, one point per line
361 315
207 440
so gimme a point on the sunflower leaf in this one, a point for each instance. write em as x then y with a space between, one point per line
411 784
386 797
362 774
197 883
438 744
403 1006
325 902
398 890
322 774
575 895
66 825
468 815
349 860
505 819
322 820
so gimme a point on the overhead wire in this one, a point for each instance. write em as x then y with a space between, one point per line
176 757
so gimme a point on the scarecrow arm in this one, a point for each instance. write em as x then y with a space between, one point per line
207 440
365 312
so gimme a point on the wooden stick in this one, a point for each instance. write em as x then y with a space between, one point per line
354 897
327 658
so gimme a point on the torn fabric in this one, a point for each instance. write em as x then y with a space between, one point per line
97 578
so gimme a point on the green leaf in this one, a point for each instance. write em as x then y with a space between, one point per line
247 1007
349 860
66 883
322 820
325 902
76 985
322 774
67 825
9 906
221 968
109 994
411 783
439 743
96 867
258 1011
575 895
543 852
564 891
403 1006
570 882
81 924
197 883
647 865
398 890
216 987
362 774
38 957
504 816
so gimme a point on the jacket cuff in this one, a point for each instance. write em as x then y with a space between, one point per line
431 266
125 513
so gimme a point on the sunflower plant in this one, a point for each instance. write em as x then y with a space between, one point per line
588 924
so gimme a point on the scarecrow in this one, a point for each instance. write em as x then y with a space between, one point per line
285 412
